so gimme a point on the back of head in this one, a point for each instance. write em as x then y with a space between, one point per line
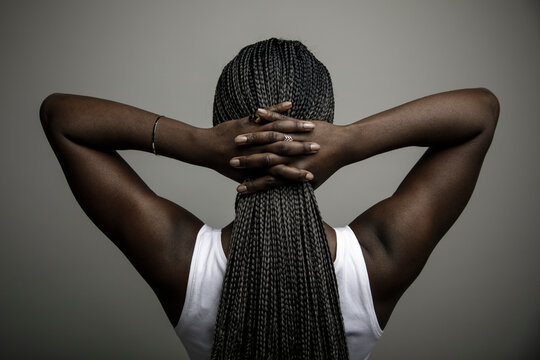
280 297
270 72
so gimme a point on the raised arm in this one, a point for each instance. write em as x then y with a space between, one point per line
151 231
399 233
155 234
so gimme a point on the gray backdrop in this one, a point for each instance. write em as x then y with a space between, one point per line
67 292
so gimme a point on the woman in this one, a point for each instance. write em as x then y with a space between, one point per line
277 282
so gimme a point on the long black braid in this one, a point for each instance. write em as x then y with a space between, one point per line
280 297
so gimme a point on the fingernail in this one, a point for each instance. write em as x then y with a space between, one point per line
314 147
241 139
287 103
309 125
262 111
309 176
234 162
241 188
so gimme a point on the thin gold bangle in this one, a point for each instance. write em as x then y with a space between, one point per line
154 135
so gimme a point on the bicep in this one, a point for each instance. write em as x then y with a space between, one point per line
148 229
409 224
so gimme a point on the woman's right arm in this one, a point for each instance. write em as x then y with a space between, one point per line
398 233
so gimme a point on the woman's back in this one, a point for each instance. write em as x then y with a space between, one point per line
208 264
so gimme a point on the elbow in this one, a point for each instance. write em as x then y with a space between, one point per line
48 111
491 107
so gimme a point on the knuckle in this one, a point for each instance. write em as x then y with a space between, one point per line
251 138
274 136
269 180
279 126
267 160
283 148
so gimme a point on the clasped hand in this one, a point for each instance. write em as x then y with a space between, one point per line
275 150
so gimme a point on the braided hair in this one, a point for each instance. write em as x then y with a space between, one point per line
279 298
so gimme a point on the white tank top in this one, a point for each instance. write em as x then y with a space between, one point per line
196 325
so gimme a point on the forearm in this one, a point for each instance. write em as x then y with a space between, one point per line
440 120
107 125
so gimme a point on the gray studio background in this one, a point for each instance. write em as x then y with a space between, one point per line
67 293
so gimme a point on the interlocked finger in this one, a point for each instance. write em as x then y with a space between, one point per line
280 175
289 126
290 173
259 184
278 108
262 137
269 115
262 160
291 148
281 107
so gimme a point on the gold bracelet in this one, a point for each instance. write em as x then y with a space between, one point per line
154 135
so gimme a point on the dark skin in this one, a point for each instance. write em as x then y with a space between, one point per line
397 235
155 234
